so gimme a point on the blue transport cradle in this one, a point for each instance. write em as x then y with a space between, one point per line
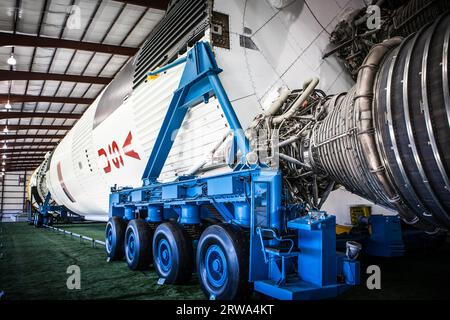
234 225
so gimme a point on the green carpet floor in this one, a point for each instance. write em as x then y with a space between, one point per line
35 261
33 264
92 230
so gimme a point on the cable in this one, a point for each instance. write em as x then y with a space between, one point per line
324 29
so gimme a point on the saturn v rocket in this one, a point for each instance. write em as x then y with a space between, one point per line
384 141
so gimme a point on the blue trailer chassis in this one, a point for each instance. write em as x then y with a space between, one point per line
291 256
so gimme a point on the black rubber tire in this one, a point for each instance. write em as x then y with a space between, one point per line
51 220
45 220
142 251
235 246
115 245
180 251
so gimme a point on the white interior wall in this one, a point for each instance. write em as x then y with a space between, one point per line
13 194
340 201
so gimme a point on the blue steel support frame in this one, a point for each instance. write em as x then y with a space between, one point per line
253 192
318 264
199 82
46 207
29 211
386 239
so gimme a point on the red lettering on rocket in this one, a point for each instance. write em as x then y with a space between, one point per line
114 153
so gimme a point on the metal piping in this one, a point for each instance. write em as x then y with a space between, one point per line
309 87
276 105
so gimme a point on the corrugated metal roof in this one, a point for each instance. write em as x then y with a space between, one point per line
117 23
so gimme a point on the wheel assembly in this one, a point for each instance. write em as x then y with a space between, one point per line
138 249
114 238
172 253
222 262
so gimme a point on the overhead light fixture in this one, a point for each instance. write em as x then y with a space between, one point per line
8 105
4 156
11 60
5 146
3 163
3 169
5 130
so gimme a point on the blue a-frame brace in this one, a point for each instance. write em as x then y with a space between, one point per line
199 82
44 211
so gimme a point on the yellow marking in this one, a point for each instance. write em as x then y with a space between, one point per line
152 77
343 229
359 211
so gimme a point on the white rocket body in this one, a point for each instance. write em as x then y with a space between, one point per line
284 48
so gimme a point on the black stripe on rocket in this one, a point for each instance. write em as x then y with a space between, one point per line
63 185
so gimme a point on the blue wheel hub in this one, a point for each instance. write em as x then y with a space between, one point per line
131 246
164 255
216 266
109 238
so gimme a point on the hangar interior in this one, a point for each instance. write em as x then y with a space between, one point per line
225 149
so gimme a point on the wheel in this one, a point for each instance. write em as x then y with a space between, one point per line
222 262
138 248
38 220
172 253
50 220
114 239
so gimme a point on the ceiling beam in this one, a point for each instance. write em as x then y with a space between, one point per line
20 169
6 75
52 115
9 39
30 136
14 160
21 160
22 164
26 157
25 165
154 4
29 169
27 98
20 157
35 127
26 144
41 150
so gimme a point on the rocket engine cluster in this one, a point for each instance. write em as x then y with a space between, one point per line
384 140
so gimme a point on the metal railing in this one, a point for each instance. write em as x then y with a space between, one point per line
82 238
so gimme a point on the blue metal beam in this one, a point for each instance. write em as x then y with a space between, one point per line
198 83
